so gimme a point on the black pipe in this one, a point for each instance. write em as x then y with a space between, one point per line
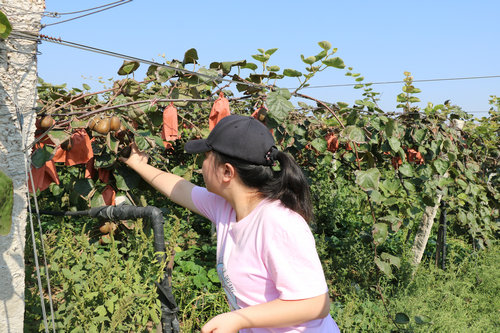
169 309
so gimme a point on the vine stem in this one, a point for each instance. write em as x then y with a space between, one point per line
379 289
89 113
91 94
322 103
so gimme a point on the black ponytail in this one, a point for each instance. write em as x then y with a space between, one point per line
288 184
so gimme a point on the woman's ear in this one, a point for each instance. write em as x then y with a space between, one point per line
229 172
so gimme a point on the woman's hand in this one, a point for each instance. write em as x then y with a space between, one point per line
136 157
229 322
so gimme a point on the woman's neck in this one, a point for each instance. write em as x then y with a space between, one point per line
243 200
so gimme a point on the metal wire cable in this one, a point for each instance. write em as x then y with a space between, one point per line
220 78
89 9
38 38
117 3
37 210
35 37
401 81
58 14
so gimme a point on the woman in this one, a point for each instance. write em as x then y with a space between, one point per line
266 256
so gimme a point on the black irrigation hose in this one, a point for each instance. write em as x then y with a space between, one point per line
169 309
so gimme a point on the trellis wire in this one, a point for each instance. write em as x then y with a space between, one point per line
117 3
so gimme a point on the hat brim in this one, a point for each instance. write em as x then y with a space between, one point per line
197 146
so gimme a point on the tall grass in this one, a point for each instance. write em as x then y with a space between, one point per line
463 298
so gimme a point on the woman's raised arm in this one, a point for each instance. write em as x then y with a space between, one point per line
174 187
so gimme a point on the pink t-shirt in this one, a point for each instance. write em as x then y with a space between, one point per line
269 254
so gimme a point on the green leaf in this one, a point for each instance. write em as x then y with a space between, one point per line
321 55
309 60
379 232
319 144
6 203
78 123
84 186
142 143
325 45
5 27
163 74
210 72
58 137
334 62
101 310
278 106
104 160
406 170
394 143
354 133
213 276
384 266
441 166
393 260
97 200
250 65
271 51
369 179
284 93
112 143
376 196
402 318
190 56
128 67
261 57
86 86
391 185
389 127
273 68
126 179
422 320
292 73
41 155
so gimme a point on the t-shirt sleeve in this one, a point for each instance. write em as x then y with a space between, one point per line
207 203
293 262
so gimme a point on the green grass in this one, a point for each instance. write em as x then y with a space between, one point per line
464 298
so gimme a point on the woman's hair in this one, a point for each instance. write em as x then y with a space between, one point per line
288 184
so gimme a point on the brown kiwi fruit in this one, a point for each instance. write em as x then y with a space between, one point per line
46 122
115 123
108 227
67 145
92 123
102 126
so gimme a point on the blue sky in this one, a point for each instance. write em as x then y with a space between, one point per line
379 39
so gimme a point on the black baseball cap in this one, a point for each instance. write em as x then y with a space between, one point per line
241 137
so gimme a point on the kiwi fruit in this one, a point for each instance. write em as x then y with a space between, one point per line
92 123
46 122
115 123
102 126
67 145
108 227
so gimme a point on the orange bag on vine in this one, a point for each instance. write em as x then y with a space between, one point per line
44 176
81 151
170 129
109 195
220 109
